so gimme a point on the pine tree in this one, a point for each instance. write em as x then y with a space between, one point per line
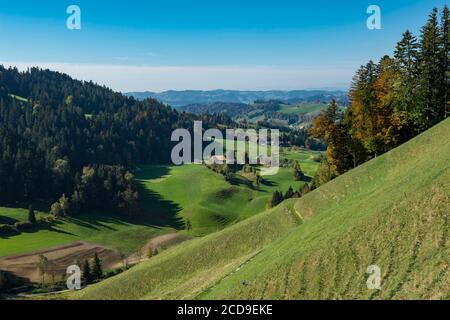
31 215
406 55
289 194
444 31
429 65
298 173
87 274
97 271
277 198
406 59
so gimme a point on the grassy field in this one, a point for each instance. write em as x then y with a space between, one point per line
115 232
303 108
169 195
392 212
287 109
210 203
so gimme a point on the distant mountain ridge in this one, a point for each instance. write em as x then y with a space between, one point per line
181 98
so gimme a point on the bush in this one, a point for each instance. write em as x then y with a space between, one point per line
9 281
7 230
23 226
46 222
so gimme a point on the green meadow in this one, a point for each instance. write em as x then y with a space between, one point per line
303 108
195 193
122 234
169 196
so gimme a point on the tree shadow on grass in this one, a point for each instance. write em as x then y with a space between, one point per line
269 183
238 180
35 229
156 211
97 221
7 220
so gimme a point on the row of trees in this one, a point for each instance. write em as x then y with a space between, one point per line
90 271
301 138
278 197
391 101
100 187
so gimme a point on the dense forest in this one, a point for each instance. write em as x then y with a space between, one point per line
77 143
390 101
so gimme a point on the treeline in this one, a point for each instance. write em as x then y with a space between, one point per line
391 101
278 197
301 138
66 139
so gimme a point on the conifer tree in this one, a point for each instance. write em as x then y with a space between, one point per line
289 194
429 67
87 274
31 215
97 271
444 31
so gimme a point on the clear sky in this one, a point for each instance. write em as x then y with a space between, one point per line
194 44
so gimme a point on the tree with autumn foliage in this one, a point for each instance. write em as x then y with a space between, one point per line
390 101
330 127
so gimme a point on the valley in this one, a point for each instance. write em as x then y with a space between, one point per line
367 216
119 180
169 196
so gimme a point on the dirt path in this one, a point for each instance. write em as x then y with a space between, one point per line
155 246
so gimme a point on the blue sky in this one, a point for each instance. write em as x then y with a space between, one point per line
192 44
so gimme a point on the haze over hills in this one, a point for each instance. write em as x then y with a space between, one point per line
182 98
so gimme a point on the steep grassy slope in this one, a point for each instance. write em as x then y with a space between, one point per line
392 212
192 267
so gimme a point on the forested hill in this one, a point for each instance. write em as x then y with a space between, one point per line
53 88
60 136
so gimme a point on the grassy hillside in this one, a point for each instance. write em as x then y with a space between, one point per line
194 266
196 193
169 195
392 212
303 108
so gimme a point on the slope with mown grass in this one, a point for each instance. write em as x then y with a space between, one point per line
392 212
194 266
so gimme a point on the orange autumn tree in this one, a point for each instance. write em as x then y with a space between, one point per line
390 102
388 118
329 127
